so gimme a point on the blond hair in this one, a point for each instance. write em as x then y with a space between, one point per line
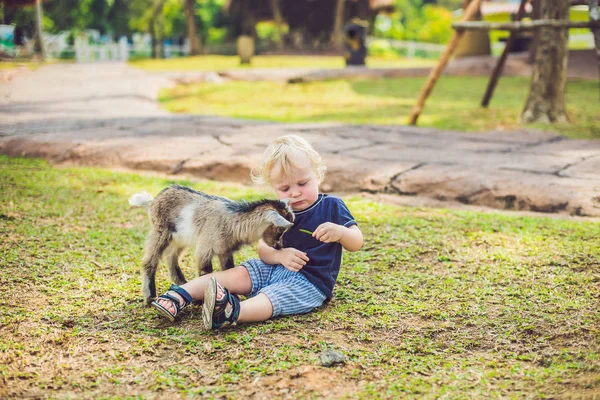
282 153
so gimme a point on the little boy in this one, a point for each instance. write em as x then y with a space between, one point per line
295 279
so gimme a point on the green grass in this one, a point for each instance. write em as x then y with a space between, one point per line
30 64
221 63
438 303
6 65
454 103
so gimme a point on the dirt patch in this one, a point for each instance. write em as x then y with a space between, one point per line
303 381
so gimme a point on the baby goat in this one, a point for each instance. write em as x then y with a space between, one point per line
182 217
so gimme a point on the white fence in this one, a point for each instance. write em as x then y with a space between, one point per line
85 53
56 47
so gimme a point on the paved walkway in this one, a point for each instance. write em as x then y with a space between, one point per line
106 115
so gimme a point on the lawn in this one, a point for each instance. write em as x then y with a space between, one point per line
438 303
7 65
454 103
223 63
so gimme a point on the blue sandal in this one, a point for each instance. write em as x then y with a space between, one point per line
217 313
187 300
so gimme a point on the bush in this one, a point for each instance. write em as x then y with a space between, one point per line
267 31
382 48
216 35
414 21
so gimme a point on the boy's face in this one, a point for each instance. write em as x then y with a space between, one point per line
300 185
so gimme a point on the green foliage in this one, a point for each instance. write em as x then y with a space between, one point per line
267 31
436 25
381 48
174 17
141 13
121 16
209 14
216 35
414 21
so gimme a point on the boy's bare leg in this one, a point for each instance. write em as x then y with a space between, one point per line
258 308
237 280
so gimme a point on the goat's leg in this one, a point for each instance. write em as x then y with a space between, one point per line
226 261
155 247
177 276
203 260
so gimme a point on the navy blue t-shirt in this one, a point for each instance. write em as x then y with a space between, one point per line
325 259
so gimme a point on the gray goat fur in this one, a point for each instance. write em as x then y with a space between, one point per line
182 217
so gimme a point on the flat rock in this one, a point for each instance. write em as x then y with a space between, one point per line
106 115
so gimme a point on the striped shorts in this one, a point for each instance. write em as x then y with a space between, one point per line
289 292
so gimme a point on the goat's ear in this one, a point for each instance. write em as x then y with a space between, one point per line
286 201
277 220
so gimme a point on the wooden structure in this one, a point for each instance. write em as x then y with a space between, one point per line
489 91
312 24
470 11
513 27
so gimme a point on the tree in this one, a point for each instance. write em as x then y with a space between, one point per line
336 38
195 47
546 100
278 22
39 42
157 29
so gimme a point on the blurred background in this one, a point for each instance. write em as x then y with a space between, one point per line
89 30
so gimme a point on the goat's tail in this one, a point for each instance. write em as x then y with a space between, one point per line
141 199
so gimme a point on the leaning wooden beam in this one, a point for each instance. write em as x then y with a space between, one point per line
444 58
523 26
500 64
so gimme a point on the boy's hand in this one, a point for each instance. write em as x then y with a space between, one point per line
292 259
329 232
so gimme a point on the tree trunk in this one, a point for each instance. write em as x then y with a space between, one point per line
535 15
195 47
337 24
157 29
245 41
39 41
278 21
546 100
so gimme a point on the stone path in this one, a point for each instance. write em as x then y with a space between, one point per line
106 115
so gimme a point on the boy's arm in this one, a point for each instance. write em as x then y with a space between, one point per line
267 254
350 238
289 257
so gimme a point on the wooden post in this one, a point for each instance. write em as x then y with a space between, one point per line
500 64
278 21
435 73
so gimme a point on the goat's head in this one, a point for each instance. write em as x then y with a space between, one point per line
280 218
